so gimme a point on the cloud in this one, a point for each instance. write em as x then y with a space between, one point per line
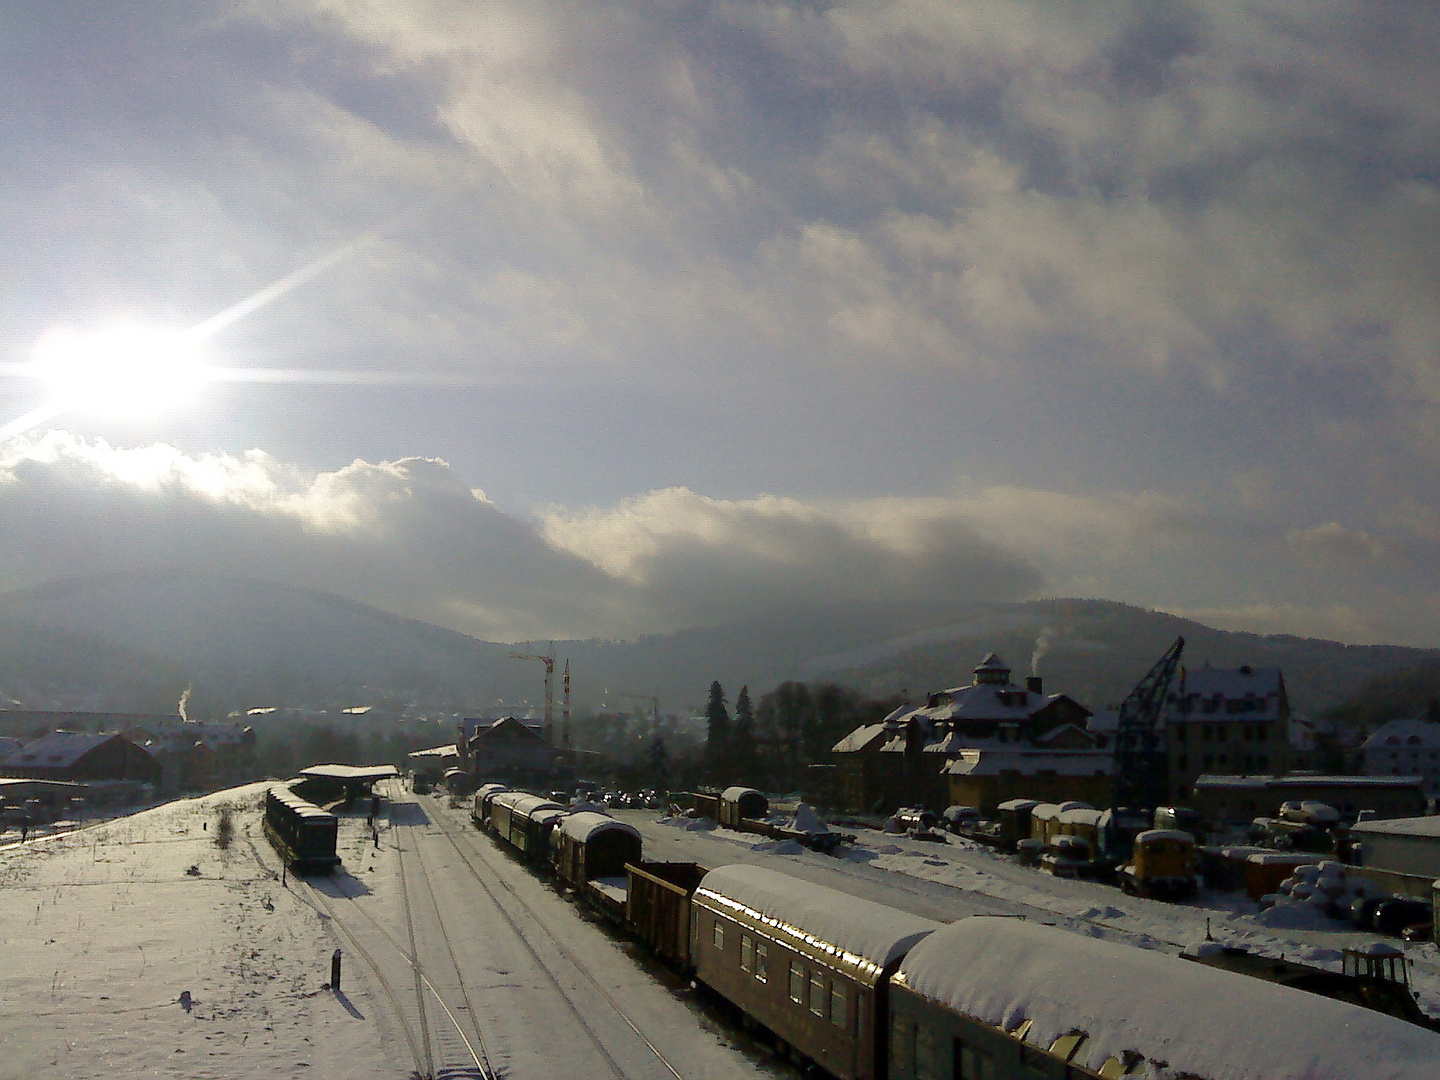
702 559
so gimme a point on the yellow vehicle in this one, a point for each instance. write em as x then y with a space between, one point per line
1163 865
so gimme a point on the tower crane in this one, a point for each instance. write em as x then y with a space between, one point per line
549 661
1141 774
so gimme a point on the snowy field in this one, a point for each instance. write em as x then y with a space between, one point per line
139 947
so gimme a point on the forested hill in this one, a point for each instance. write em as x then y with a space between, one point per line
135 642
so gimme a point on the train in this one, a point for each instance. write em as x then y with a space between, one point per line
745 810
300 831
862 991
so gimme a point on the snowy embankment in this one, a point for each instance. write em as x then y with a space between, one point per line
140 948
958 878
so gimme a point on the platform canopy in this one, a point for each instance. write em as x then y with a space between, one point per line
356 773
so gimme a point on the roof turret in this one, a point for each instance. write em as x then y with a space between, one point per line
992 670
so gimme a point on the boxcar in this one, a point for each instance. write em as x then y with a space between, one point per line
657 907
739 803
588 845
300 831
1014 815
513 818
1000 999
807 962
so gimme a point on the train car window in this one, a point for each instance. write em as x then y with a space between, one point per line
747 953
817 993
971 1063
926 1065
762 961
902 1048
719 935
797 983
838 1011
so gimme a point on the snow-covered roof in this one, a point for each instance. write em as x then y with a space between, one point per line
1018 804
1199 1021
352 772
1346 781
735 794
584 825
522 802
1082 815
8 745
859 739
1232 683
448 750
1220 780
869 932
1030 762
1409 826
58 750
1404 735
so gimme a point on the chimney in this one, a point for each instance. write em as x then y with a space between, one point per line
1033 683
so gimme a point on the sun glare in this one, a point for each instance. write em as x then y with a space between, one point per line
123 371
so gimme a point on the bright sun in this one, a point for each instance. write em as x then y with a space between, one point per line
123 371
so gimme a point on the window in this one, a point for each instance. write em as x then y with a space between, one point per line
719 935
1262 732
972 1064
762 961
839 1014
1207 733
817 993
902 1047
747 953
1219 732
797 983
926 1067
1180 733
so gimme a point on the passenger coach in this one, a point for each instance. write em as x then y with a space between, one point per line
807 962
300 831
524 821
1004 999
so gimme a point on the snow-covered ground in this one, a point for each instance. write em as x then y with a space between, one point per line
138 947
105 929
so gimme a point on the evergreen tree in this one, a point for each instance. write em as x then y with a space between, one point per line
743 756
717 741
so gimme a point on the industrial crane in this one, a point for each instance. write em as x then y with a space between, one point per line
549 661
1141 773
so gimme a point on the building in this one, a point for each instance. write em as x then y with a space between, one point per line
506 749
82 756
1404 748
917 754
986 778
1236 800
196 756
1402 854
1227 721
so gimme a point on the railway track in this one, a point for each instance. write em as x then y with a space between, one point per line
533 920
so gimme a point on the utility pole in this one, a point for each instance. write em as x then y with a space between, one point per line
549 661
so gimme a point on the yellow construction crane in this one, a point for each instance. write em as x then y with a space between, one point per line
549 661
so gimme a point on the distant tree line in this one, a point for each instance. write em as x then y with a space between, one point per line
772 744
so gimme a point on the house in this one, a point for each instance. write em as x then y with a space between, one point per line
1404 748
82 756
506 748
1224 720
197 756
1401 854
924 755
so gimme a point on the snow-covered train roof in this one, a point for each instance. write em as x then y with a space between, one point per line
522 802
298 803
868 931
587 824
1199 1021
735 794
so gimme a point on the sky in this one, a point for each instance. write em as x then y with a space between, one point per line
644 315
